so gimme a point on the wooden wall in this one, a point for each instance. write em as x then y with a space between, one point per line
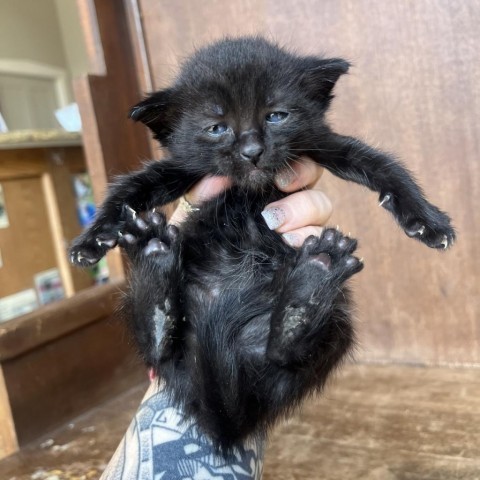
414 90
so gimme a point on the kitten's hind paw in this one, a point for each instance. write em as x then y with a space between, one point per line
427 224
303 321
332 252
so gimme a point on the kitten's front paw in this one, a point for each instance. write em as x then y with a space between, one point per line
89 248
428 224
148 236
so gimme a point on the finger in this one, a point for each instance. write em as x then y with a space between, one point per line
301 173
295 238
205 189
300 209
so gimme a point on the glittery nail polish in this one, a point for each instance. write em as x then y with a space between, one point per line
293 239
274 217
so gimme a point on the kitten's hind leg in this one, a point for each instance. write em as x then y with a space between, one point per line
153 304
310 322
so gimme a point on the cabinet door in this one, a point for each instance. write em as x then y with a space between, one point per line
28 233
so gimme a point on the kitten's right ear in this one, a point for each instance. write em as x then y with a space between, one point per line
158 112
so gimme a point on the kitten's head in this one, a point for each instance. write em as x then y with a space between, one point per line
242 108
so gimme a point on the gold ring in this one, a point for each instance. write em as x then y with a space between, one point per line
186 206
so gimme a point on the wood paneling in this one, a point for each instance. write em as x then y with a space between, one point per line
414 90
50 385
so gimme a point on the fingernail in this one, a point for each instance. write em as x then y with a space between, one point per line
293 239
284 179
274 217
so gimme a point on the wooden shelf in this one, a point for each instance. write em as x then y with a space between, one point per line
23 139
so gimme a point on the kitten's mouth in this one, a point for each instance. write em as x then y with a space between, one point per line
258 175
254 177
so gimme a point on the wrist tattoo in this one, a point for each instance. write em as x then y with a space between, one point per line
161 443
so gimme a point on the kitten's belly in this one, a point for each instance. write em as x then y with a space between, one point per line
230 263
247 280
229 284
236 306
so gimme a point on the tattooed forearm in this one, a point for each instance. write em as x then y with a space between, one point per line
162 444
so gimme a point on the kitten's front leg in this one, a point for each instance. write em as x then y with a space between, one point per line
352 160
310 324
157 184
153 305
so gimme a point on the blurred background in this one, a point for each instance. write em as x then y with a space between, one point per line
70 70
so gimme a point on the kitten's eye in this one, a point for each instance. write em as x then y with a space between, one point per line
216 130
276 117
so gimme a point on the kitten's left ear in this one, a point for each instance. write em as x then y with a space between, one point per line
321 74
158 112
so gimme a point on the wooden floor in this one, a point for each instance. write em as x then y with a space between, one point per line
373 423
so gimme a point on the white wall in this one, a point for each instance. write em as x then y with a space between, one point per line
29 30
72 37
43 31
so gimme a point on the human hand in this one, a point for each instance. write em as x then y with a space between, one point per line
296 217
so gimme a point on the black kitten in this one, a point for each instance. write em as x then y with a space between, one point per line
239 325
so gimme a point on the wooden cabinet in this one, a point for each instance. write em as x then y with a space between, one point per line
67 357
42 217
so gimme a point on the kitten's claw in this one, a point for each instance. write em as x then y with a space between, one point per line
79 259
109 242
130 211
417 230
444 242
386 199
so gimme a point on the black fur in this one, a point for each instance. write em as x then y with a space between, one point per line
239 325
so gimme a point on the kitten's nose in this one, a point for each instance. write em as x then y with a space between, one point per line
251 151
